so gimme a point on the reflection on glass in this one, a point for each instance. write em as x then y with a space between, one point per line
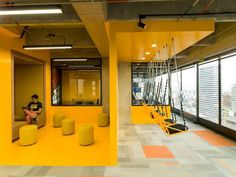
76 82
228 93
175 88
80 87
138 92
189 90
208 91
148 89
164 94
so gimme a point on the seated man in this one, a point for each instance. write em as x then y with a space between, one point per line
33 109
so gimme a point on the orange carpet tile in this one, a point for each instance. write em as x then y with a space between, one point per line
214 138
157 152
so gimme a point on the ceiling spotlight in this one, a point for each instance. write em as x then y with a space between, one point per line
154 45
47 47
27 10
140 23
147 53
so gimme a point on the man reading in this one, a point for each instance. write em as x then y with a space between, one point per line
33 109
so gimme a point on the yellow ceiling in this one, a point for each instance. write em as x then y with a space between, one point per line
133 46
132 42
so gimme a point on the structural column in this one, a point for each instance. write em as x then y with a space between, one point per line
113 83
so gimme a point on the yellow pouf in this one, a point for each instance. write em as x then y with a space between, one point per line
103 120
57 120
86 136
28 134
68 126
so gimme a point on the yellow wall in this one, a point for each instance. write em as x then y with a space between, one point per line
81 114
141 114
8 42
33 76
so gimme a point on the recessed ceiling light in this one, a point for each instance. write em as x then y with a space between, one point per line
154 45
143 58
147 53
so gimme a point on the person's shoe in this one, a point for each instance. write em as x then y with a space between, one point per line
35 120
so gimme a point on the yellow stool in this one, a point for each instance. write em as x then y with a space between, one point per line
28 134
102 120
68 126
86 136
57 119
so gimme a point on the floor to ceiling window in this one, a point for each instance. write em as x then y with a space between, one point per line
228 92
209 91
176 88
189 81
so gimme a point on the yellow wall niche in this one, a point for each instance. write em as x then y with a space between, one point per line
40 153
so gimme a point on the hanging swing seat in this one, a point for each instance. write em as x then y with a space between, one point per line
170 121
176 128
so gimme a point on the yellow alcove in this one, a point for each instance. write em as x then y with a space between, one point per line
52 148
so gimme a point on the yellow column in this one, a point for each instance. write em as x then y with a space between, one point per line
113 82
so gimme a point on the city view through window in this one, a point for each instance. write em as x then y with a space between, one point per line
228 92
185 81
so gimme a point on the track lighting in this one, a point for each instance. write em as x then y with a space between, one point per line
28 10
47 47
140 23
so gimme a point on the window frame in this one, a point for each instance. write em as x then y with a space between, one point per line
218 127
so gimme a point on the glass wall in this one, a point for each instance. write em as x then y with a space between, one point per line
209 91
228 92
189 85
146 89
76 82
176 88
80 87
164 95
140 86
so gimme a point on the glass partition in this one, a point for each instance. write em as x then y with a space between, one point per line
76 82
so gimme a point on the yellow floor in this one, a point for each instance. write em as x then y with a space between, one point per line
54 149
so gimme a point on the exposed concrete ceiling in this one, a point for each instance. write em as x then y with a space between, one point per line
223 39
86 20
83 45
93 16
165 9
78 37
76 53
